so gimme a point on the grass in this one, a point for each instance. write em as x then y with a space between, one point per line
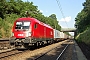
84 37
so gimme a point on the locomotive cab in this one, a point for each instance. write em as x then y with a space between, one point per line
22 29
21 34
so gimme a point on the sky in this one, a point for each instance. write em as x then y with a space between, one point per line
69 8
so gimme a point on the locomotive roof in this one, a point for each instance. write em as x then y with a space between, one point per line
33 19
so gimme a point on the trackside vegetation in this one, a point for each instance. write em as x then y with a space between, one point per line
82 23
10 10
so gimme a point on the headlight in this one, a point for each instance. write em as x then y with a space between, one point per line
12 34
29 34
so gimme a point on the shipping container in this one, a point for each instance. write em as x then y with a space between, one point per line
56 34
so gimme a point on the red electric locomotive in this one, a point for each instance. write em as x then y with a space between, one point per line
29 31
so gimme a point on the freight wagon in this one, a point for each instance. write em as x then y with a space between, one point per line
62 36
66 36
56 35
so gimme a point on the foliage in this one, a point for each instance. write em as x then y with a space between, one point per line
10 10
54 22
83 18
82 23
84 36
67 33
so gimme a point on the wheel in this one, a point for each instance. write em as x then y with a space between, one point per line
26 46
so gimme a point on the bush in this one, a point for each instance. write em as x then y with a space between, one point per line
84 36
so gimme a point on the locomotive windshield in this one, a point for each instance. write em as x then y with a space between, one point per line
22 25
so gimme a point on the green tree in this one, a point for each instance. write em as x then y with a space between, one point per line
83 23
54 22
83 18
10 10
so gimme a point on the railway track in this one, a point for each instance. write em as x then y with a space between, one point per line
6 39
36 54
9 53
62 51
4 44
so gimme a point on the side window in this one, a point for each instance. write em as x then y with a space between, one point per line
51 33
35 26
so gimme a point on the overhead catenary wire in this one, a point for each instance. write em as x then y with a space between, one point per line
60 8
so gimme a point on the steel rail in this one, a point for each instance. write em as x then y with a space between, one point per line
1 40
62 52
49 51
8 50
8 55
44 54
